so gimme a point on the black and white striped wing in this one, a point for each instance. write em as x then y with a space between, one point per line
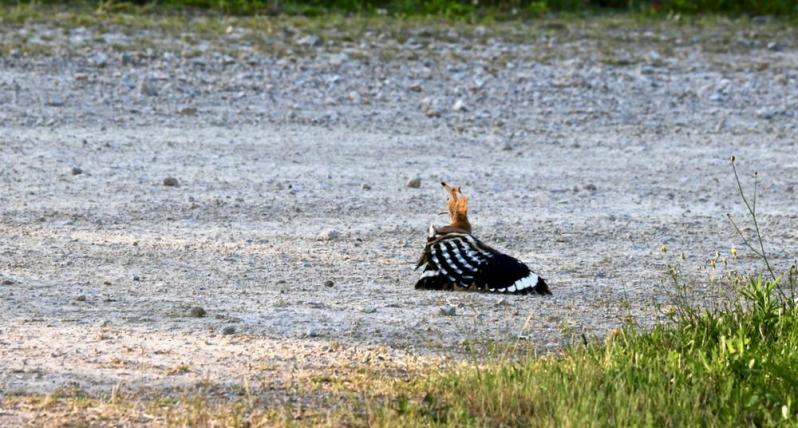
447 264
458 260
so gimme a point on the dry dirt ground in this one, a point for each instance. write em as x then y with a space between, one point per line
585 148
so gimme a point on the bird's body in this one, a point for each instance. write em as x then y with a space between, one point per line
454 259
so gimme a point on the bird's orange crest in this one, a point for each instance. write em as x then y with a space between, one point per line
458 208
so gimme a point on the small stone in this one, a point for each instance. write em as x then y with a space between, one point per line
502 302
171 182
774 46
434 111
7 282
414 183
127 59
148 88
448 310
311 332
100 60
76 171
328 283
136 278
198 312
761 19
590 187
369 310
55 101
646 69
80 298
81 77
311 40
365 186
355 97
328 235
187 111
228 330
415 87
766 114
459 106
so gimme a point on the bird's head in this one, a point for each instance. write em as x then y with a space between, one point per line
458 207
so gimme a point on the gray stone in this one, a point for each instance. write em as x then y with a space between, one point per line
187 111
148 88
311 40
55 101
448 310
328 235
100 60
459 106
197 312
414 183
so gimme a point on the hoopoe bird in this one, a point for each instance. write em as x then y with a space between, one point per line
453 259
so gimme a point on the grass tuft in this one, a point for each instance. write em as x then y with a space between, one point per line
731 368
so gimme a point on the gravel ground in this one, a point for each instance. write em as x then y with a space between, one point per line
585 146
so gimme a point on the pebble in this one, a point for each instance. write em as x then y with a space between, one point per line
228 330
311 40
76 171
7 282
55 101
328 235
136 278
646 69
148 88
171 182
365 186
80 298
369 310
448 310
414 183
100 60
431 108
355 97
197 312
187 111
590 187
329 283
311 332
459 106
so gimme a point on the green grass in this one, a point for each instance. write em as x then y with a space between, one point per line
452 8
736 367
